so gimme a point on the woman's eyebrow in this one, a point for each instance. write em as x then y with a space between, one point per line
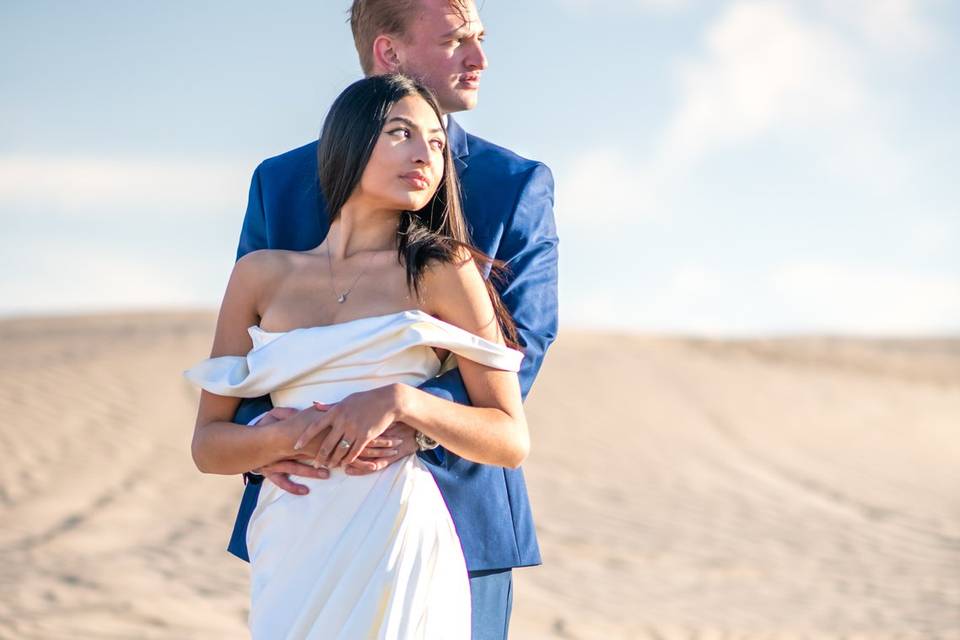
410 123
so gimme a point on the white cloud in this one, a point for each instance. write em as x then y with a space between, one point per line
115 253
57 276
691 298
764 68
106 184
801 296
125 257
934 235
696 299
896 25
868 299
768 69
606 186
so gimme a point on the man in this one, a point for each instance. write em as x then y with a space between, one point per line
508 201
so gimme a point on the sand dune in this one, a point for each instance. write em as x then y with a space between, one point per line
683 488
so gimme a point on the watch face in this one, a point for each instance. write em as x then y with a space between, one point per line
425 442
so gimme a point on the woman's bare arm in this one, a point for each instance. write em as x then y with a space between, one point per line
494 429
219 445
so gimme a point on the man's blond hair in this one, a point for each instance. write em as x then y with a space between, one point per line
372 18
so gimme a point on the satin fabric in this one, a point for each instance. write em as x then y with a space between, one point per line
373 556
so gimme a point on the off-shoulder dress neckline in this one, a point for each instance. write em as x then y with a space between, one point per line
346 322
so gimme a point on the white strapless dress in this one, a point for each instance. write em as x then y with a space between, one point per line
373 556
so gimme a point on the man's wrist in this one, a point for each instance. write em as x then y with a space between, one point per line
425 442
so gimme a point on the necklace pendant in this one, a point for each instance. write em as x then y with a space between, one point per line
342 297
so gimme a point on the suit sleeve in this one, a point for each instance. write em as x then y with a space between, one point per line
529 247
253 236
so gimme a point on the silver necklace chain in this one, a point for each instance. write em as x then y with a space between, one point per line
342 297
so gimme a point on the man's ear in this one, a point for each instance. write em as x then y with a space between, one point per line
386 55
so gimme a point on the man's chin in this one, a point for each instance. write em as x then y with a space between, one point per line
460 100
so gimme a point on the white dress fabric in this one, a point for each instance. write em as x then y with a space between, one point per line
374 556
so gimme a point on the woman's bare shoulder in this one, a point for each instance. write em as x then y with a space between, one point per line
443 279
264 266
456 292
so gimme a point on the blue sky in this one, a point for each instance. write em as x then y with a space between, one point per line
728 167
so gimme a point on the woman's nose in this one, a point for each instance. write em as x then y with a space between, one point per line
421 152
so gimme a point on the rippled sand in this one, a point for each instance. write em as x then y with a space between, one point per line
683 489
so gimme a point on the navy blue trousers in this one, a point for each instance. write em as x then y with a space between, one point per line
491 593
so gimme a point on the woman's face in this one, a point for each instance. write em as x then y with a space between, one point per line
406 166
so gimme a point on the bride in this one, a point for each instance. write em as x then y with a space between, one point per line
394 295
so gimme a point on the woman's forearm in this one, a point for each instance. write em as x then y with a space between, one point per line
482 434
227 448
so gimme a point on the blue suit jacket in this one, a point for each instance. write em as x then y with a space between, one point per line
508 202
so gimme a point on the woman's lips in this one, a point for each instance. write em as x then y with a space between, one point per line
416 182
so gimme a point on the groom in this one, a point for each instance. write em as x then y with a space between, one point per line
508 202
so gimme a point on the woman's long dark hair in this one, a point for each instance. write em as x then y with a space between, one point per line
435 232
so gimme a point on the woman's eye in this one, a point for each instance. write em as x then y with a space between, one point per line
438 143
405 132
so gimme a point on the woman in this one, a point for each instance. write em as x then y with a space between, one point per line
374 310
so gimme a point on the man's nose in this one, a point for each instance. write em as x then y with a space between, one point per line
477 60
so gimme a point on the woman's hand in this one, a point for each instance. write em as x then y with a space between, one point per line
357 419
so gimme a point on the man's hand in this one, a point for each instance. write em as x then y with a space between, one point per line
393 444
376 457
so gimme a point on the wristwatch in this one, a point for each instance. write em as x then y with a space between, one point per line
425 442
